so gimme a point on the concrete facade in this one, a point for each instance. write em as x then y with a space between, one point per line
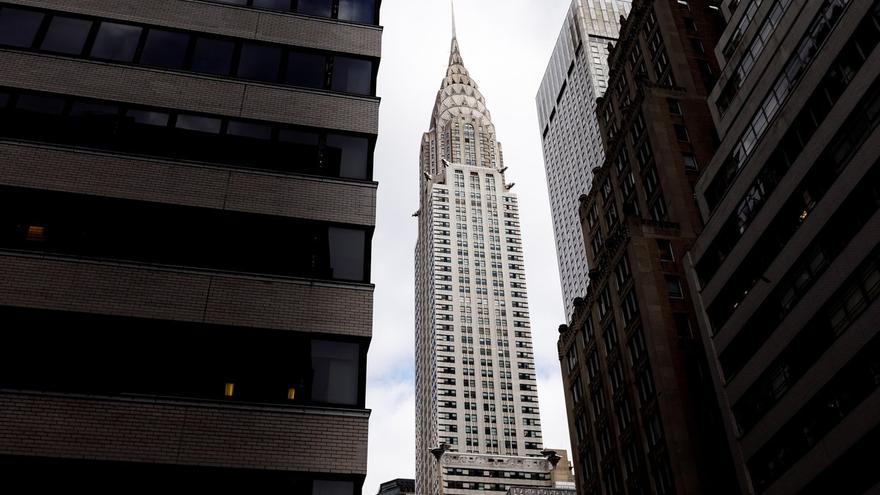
317 443
787 264
576 75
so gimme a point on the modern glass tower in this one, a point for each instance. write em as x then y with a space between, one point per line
576 75
476 394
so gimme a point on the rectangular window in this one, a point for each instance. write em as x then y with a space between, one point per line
307 70
66 35
690 163
117 42
259 62
213 56
673 287
324 487
18 27
165 49
352 75
335 372
314 7
681 133
667 252
347 253
350 153
363 11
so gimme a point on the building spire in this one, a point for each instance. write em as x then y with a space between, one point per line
452 5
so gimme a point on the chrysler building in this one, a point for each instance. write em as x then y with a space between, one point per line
477 421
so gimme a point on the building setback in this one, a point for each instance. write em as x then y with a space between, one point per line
642 418
187 197
788 266
576 75
477 419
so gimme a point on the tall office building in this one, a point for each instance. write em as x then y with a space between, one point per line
187 208
641 409
576 75
788 265
476 394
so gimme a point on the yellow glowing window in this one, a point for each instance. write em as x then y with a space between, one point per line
36 233
291 393
230 389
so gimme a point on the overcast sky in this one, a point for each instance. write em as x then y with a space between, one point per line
506 45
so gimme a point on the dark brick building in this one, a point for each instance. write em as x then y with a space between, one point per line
187 210
642 415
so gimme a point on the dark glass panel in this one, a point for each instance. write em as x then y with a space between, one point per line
303 147
165 49
198 123
306 69
4 99
146 117
40 104
85 109
260 62
116 42
335 373
284 5
19 27
66 35
352 154
315 7
213 56
324 487
249 130
363 11
352 75
347 252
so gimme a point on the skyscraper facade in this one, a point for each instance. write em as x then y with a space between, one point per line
788 266
576 75
476 393
187 209
641 409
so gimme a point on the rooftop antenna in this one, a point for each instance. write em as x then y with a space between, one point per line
452 5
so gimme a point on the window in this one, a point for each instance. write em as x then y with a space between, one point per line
673 286
198 123
347 251
273 4
66 35
51 105
335 368
630 307
690 162
116 42
674 107
146 117
315 7
259 62
19 27
352 75
681 133
249 130
363 11
324 487
306 69
636 347
213 56
165 49
667 252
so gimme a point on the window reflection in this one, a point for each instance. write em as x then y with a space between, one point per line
363 11
19 27
352 152
213 56
335 370
347 247
321 8
352 75
116 42
66 35
165 49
